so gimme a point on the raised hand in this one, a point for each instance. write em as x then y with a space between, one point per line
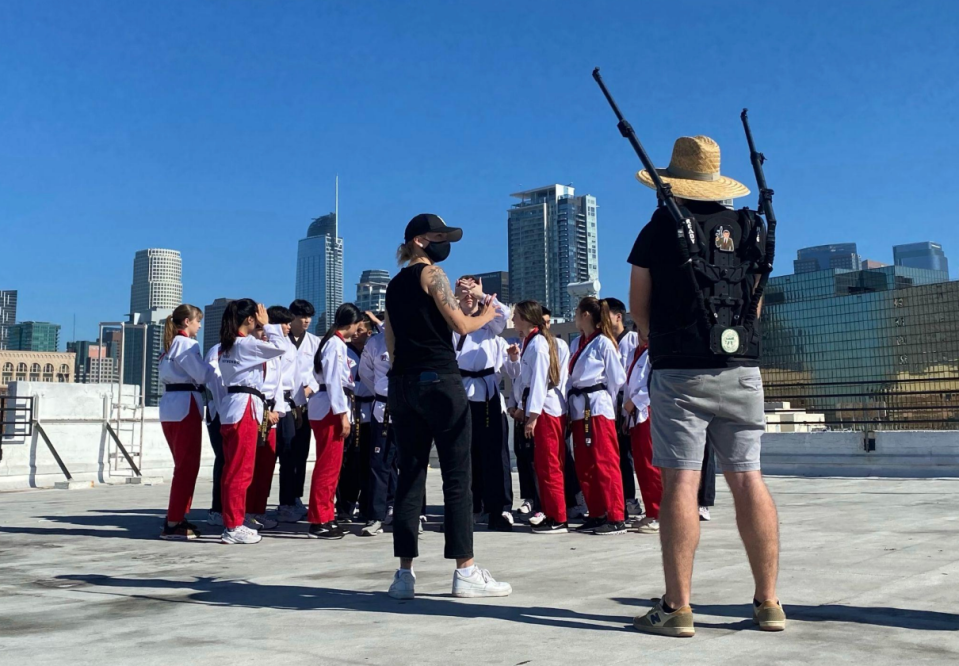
262 318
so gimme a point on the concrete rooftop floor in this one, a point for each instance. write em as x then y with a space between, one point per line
870 569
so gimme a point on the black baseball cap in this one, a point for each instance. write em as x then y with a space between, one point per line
427 223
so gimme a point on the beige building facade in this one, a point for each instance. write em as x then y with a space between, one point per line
30 366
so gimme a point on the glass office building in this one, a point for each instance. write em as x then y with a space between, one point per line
873 349
37 336
319 270
921 255
824 257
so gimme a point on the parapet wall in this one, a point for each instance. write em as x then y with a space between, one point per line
74 417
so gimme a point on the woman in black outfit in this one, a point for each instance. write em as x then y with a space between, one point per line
428 404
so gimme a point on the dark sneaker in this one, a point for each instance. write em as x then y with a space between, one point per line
590 525
501 523
183 531
608 528
328 530
550 526
657 621
769 615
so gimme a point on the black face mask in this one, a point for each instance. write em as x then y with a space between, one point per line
437 251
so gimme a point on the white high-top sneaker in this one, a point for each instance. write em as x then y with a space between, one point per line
404 582
240 535
478 584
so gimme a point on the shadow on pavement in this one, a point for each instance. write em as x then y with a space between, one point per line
247 594
880 616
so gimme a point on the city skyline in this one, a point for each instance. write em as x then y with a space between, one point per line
224 149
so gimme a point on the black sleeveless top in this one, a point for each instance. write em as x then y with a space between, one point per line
423 341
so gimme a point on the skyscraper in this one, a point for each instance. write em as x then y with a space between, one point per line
39 336
157 280
921 255
93 363
552 243
133 341
371 290
496 282
8 314
824 257
319 268
212 316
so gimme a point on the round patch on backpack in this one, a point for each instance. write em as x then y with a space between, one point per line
730 341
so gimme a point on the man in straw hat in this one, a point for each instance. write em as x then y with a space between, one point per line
705 383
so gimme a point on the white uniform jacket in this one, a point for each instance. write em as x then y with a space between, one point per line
534 377
374 366
303 367
479 351
181 364
363 392
245 365
597 364
627 343
637 388
334 380
214 382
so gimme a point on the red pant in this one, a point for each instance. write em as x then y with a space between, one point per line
185 439
549 454
259 491
650 478
326 471
597 467
239 454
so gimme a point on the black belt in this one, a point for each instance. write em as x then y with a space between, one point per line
386 413
478 374
184 388
364 399
246 389
380 398
587 408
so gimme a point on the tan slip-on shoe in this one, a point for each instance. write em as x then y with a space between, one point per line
769 615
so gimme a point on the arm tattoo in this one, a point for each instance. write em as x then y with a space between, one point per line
440 288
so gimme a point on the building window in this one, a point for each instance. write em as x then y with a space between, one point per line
35 367
22 367
63 368
8 367
48 367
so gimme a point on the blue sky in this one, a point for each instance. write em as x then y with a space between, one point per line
216 128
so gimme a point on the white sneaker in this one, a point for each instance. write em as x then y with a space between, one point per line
288 513
422 528
404 580
250 522
634 507
648 526
214 518
372 528
478 584
525 508
266 523
480 518
389 517
537 518
704 513
241 534
508 517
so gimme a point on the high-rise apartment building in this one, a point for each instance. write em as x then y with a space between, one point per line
319 270
157 280
8 314
39 336
212 316
371 290
133 341
552 243
824 257
928 256
94 363
496 282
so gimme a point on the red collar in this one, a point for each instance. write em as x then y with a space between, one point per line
530 337
583 341
240 334
339 335
639 352
183 333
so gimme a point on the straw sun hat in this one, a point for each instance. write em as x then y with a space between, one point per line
693 172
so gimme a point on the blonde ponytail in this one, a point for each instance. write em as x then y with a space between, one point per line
169 332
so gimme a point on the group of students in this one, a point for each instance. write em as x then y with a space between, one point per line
271 383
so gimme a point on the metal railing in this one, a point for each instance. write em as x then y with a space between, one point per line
16 418
904 404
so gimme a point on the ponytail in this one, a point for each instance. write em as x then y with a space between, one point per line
177 321
599 312
346 315
234 315
404 253
532 312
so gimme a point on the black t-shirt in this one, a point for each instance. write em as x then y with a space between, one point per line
673 302
422 339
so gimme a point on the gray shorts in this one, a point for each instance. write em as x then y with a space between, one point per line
689 407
